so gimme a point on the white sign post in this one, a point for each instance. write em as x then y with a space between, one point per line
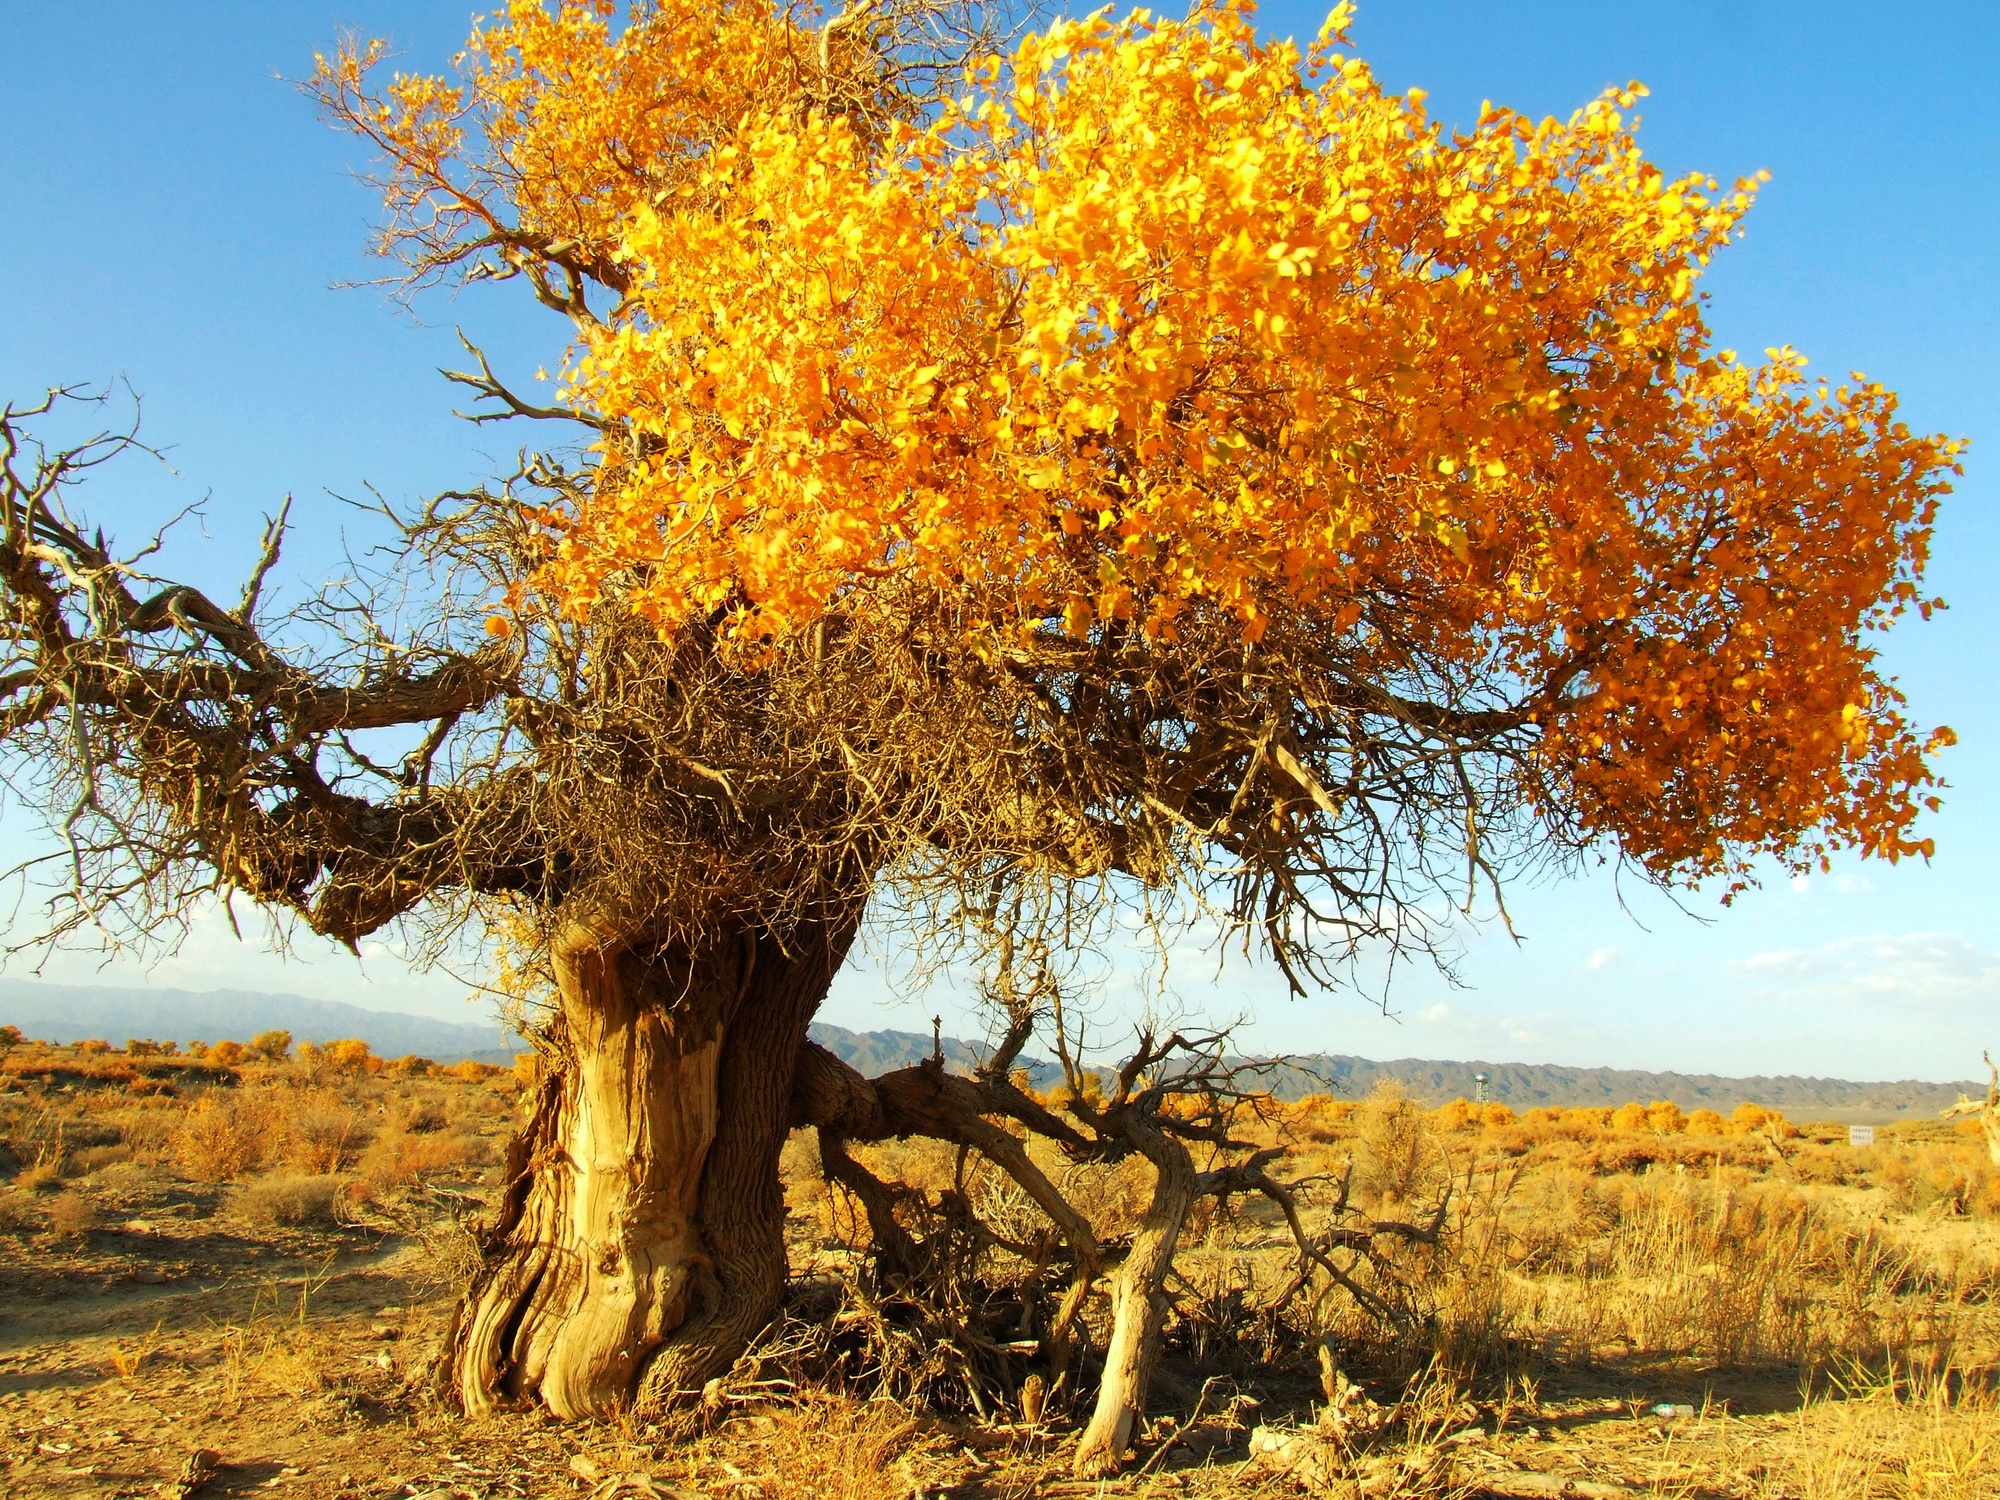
1861 1135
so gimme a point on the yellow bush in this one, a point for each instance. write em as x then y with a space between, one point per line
1665 1116
1494 1114
1629 1117
228 1053
1750 1118
1457 1115
351 1055
1706 1122
272 1045
213 1143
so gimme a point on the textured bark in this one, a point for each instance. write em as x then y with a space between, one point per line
640 1243
1139 1304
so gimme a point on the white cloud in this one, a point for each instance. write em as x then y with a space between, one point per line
1927 962
1790 960
1603 958
1873 1005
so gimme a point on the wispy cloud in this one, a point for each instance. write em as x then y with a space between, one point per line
1943 972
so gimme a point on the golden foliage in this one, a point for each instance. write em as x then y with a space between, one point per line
1154 320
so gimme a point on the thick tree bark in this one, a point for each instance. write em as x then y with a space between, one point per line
640 1244
1139 1304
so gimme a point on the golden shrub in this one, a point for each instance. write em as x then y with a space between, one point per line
1629 1117
272 1046
1460 1114
351 1055
1664 1116
212 1143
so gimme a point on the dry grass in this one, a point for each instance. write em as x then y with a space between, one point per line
1586 1270
288 1200
825 1447
1889 1441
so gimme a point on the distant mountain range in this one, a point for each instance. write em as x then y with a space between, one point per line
1519 1085
76 1013
73 1013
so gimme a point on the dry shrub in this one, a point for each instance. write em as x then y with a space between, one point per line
421 1115
213 1143
225 1135
314 1130
917 1162
42 1177
17 1214
397 1157
1733 1273
1320 1117
278 1349
147 1128
88 1159
290 1200
1945 1177
451 1256
1397 1158
70 1216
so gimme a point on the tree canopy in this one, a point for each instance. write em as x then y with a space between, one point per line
1149 350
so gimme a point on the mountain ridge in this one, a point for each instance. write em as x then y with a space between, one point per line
71 1013
1520 1086
75 1013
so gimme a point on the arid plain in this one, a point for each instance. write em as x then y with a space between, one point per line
228 1274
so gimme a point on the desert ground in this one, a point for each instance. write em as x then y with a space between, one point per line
225 1271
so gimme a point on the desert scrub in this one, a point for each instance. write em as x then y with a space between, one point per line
290 1200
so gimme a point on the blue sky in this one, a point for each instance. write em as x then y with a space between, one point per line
178 217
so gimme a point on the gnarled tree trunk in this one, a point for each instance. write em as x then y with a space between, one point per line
640 1244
